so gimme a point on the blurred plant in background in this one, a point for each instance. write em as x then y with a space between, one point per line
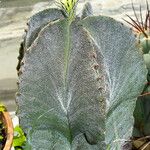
141 27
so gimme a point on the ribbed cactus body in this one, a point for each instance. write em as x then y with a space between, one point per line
78 82
34 26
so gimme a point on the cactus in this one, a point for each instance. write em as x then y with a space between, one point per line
35 24
141 130
79 81
87 11
145 42
142 29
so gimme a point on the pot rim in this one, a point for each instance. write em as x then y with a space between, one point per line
9 130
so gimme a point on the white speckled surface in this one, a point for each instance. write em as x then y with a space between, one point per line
14 15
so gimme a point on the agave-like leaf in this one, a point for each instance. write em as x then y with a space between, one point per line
61 105
126 73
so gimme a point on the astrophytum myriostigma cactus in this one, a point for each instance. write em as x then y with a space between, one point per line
79 81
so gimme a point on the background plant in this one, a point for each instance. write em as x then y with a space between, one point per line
19 139
2 128
141 26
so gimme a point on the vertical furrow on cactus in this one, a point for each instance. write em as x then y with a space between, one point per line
67 53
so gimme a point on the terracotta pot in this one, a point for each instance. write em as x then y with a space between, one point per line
9 130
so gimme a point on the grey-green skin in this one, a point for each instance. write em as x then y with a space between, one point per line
88 77
35 24
38 21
